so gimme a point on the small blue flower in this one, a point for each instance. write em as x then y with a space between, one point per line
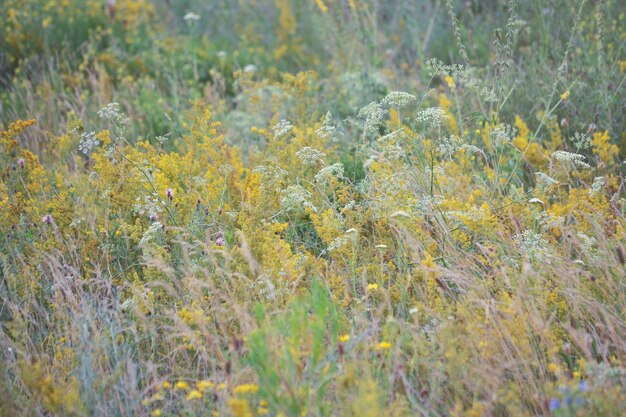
554 404
583 386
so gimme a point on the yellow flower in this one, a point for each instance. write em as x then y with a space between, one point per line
565 95
194 395
204 385
383 346
450 81
262 411
181 385
344 338
239 407
156 413
245 388
372 287
553 368
166 385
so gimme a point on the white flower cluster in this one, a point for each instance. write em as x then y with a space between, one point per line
191 16
597 186
394 152
456 71
581 141
587 242
398 99
334 170
88 142
374 115
432 116
488 94
150 205
533 245
113 113
282 128
328 129
250 68
153 233
574 159
448 146
544 181
311 156
503 134
270 174
393 137
295 197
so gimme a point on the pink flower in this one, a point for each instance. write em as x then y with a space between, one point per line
21 162
220 241
47 219
170 193
154 217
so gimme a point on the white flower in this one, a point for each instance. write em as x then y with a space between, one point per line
400 214
394 152
533 245
295 197
597 186
282 128
399 99
328 129
544 181
311 156
574 159
191 16
249 68
393 137
536 201
334 170
153 233
88 142
374 116
503 133
432 116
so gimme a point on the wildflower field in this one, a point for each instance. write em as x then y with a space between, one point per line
312 208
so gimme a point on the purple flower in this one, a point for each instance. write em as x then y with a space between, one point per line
47 219
21 162
154 217
583 386
220 241
554 404
170 193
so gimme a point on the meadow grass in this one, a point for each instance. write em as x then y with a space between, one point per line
312 208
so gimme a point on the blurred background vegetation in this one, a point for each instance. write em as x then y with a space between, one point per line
154 57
